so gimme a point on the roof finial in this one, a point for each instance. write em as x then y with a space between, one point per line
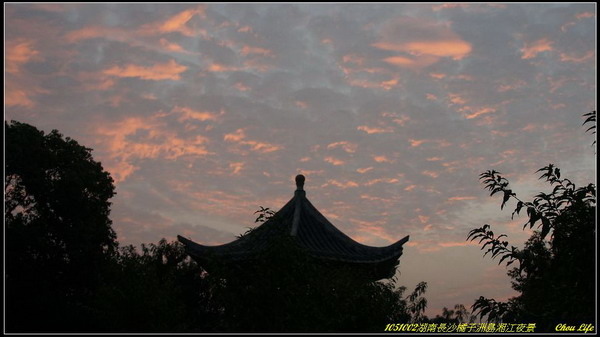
300 182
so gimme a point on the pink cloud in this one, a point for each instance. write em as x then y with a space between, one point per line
162 71
342 185
92 32
248 50
239 137
371 130
18 53
178 22
219 68
188 113
416 142
576 57
456 99
17 98
236 167
429 42
431 174
479 112
334 161
346 146
530 50
170 46
457 244
152 141
381 180
461 198
381 159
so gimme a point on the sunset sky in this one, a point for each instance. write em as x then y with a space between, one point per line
203 113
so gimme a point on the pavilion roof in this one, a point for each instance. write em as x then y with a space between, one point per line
299 219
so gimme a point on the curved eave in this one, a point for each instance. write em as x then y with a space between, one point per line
392 252
198 250
322 239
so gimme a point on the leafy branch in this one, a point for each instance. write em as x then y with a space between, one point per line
545 207
496 247
591 118
264 214
417 303
495 310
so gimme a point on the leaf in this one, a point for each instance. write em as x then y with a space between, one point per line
507 194
545 227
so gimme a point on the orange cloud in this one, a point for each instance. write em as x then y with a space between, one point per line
18 53
245 29
162 71
342 185
456 99
364 170
402 120
457 49
381 159
347 146
178 22
382 180
408 62
480 112
236 167
575 58
17 98
373 229
170 46
187 114
371 130
135 138
363 83
430 174
461 198
530 50
434 41
239 137
22 94
93 32
334 161
219 68
457 244
248 50
415 142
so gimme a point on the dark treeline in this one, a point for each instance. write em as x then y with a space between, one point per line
65 271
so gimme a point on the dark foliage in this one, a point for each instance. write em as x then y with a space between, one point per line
58 233
555 275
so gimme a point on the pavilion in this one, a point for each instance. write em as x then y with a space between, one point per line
301 222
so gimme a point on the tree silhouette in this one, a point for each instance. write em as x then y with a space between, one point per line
556 269
58 233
